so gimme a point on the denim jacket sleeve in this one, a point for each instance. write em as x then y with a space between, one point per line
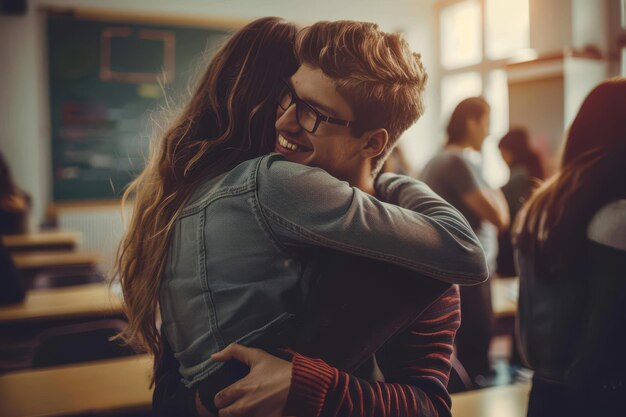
307 206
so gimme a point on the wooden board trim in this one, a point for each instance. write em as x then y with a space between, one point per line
88 300
137 16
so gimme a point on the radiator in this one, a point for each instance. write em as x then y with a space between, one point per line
101 229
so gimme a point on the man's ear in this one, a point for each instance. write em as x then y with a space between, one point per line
374 142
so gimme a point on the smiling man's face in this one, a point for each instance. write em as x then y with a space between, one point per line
331 146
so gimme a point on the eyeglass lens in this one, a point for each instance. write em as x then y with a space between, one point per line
306 117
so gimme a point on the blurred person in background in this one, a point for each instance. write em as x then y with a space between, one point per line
397 163
526 174
14 210
14 203
456 175
11 288
570 244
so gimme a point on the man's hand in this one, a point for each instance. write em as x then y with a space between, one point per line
263 392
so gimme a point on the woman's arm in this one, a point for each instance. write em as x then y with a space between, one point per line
303 205
489 205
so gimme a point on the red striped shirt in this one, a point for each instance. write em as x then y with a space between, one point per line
416 365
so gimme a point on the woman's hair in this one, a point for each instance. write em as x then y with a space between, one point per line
470 108
229 119
554 221
517 142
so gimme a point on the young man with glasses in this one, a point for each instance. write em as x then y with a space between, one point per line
356 91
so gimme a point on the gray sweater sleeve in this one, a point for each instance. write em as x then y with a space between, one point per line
307 206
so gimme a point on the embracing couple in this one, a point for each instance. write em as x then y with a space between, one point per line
288 276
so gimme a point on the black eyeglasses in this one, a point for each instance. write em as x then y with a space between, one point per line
308 117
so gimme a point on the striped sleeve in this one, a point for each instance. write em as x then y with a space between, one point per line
416 376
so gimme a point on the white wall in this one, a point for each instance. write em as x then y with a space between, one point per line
551 24
24 121
555 24
23 129
589 23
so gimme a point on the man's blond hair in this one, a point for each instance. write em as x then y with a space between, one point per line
376 72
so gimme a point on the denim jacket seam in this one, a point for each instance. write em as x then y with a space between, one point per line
333 244
204 282
257 209
216 195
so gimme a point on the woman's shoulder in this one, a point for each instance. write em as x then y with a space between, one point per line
274 169
608 225
445 161
234 180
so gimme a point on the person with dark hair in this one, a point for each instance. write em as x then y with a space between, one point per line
14 209
570 243
14 203
456 175
222 234
11 288
517 152
526 173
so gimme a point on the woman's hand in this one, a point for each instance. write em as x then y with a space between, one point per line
263 392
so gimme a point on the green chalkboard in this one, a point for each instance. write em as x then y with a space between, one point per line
107 80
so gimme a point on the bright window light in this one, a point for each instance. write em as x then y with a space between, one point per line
508 27
457 87
495 170
497 95
461 34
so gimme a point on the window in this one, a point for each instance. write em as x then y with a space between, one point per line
507 28
456 87
461 34
476 38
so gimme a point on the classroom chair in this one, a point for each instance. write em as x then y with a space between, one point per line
65 277
82 342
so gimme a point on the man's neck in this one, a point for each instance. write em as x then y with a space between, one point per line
364 182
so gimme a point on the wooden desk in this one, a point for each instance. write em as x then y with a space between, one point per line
505 401
51 240
39 260
504 294
62 303
117 385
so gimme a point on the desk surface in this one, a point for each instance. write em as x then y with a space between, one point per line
34 260
66 302
105 386
509 401
122 385
504 294
52 239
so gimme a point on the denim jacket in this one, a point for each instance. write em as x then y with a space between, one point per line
236 256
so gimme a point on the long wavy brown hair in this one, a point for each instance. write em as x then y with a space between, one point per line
552 225
229 119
